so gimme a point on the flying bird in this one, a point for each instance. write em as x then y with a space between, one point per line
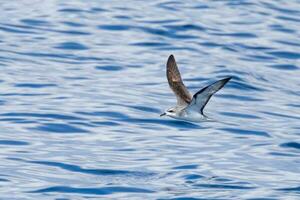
189 108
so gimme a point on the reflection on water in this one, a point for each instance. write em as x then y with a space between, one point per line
83 84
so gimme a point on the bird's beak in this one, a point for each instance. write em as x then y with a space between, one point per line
163 114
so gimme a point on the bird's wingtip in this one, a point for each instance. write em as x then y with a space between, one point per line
227 79
171 57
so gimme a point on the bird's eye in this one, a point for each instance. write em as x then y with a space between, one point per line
171 111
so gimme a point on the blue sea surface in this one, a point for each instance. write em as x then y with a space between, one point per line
83 83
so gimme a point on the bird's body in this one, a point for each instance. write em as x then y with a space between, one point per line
189 116
189 108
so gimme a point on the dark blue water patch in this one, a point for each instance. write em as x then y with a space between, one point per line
97 10
252 47
201 6
170 5
69 32
4 180
186 167
240 97
242 85
291 189
83 124
110 114
62 56
150 44
123 8
13 142
281 9
71 46
47 55
92 191
293 105
2 102
224 186
99 172
162 21
239 3
284 66
179 49
240 115
283 154
41 115
14 30
122 17
288 43
230 48
237 35
73 24
109 68
25 94
74 78
24 121
91 58
211 44
59 128
280 115
285 54
71 10
35 85
185 27
106 123
17 120
257 58
165 33
193 176
245 132
73 32
280 28
220 179
118 27
294 145
20 26
35 22
146 109
198 79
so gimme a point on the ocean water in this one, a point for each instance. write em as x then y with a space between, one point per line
83 84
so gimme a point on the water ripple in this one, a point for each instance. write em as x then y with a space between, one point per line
100 172
96 191
59 128
294 145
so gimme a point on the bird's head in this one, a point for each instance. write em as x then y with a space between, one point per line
170 112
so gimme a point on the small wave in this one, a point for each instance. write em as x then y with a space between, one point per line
13 142
35 85
59 128
294 145
71 46
246 132
95 191
224 186
99 172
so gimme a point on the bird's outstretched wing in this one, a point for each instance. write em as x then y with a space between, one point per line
201 98
175 82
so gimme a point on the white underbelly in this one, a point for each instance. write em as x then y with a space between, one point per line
193 117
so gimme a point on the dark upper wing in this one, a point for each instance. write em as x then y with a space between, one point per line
175 82
201 98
